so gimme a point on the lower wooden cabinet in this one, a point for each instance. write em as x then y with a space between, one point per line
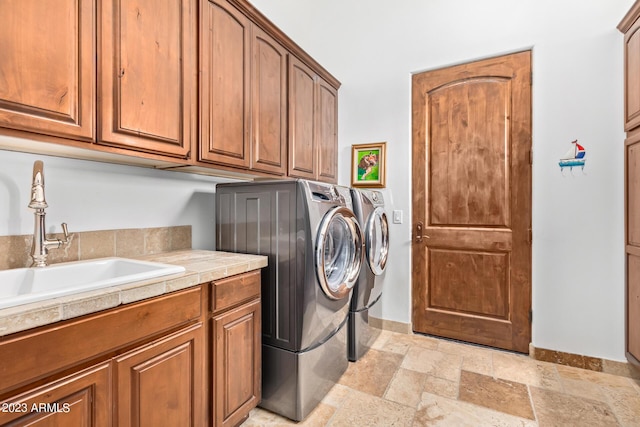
161 384
236 363
164 361
81 399
236 347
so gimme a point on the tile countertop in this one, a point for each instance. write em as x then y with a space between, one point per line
201 267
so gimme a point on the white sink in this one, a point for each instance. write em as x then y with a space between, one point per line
25 285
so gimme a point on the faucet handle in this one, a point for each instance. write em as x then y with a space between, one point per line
66 233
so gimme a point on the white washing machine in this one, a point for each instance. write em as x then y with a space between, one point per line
368 205
314 244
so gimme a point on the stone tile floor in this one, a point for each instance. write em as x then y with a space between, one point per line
415 380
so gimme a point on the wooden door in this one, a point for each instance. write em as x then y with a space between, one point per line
225 41
471 251
302 99
162 384
236 363
269 104
47 71
80 400
148 75
327 132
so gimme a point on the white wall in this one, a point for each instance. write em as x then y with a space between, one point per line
373 46
90 195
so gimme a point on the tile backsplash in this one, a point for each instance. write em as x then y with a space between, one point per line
15 250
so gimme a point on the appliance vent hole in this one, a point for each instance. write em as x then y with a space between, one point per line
321 196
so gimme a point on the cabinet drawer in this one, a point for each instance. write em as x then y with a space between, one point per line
51 349
234 290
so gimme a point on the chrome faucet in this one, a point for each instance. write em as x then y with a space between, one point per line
41 245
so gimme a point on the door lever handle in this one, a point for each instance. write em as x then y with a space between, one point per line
419 231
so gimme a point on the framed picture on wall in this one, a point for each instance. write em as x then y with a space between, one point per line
369 165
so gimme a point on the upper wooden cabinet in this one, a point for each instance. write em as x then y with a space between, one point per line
269 104
302 123
632 74
206 84
313 120
327 132
243 91
225 45
47 67
147 81
145 73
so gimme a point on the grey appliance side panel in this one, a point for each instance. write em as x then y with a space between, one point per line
252 216
262 221
283 305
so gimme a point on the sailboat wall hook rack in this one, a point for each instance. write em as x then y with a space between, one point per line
574 157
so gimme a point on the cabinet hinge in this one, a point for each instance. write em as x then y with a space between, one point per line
531 156
529 236
530 316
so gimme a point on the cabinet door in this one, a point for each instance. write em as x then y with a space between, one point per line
162 384
269 104
236 364
632 244
82 399
302 99
632 82
47 69
147 75
327 132
224 87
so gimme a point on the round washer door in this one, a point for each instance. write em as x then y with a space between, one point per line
338 252
377 240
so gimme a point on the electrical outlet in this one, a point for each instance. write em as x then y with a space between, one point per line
397 217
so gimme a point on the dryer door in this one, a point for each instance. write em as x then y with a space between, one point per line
377 240
338 252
